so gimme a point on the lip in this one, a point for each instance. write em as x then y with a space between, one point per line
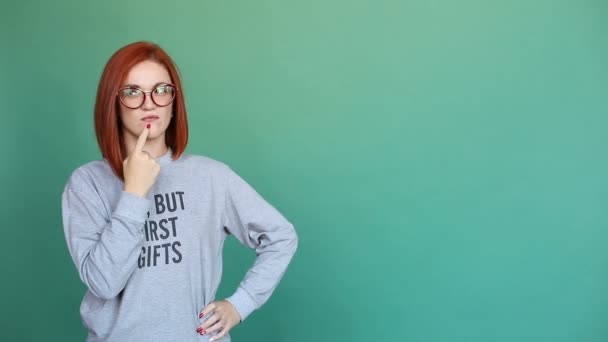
150 118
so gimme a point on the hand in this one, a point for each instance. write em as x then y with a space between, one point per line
223 316
140 169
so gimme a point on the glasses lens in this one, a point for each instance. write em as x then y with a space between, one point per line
131 97
163 95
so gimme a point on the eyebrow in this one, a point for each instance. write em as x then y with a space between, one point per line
138 86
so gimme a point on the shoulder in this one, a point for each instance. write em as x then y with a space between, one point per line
219 172
207 163
86 176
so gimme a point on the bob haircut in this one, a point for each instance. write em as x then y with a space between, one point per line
108 126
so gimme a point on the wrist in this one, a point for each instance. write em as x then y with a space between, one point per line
135 192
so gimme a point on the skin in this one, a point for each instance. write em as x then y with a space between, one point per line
140 169
147 144
222 317
146 75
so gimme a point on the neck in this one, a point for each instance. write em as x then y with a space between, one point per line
155 146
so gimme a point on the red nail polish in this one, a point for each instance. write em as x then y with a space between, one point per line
201 315
148 126
199 330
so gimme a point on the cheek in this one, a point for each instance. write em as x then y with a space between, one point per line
126 113
167 113
128 118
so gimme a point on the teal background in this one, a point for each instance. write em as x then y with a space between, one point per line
444 162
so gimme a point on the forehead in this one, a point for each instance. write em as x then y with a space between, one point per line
147 73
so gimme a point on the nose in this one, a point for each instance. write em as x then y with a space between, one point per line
148 103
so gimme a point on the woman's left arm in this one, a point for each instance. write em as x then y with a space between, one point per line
258 225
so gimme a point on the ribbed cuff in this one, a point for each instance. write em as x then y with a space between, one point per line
133 207
243 303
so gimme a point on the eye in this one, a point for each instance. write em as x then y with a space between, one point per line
131 92
163 89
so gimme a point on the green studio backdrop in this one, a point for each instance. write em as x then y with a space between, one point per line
444 162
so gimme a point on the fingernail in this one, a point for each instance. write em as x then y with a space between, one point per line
203 332
201 315
148 126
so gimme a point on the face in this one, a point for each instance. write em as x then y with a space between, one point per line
150 77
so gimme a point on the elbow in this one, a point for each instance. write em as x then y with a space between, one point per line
101 289
293 241
105 294
99 284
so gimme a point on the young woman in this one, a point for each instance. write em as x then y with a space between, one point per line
145 226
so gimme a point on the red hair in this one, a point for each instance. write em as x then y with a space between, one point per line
108 126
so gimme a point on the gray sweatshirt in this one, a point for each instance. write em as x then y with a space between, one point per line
152 264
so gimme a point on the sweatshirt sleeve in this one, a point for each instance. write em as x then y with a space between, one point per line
104 249
257 225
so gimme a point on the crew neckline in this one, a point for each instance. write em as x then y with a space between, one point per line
162 160
165 158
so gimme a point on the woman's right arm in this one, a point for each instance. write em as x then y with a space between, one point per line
105 250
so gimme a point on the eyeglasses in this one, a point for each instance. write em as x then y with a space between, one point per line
134 97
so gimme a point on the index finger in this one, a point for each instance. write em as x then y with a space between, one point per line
141 141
